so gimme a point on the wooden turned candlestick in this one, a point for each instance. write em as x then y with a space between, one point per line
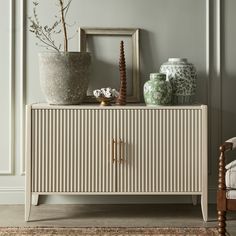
121 100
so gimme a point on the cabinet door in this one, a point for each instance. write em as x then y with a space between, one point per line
72 150
162 151
100 169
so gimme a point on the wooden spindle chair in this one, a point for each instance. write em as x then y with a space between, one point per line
226 194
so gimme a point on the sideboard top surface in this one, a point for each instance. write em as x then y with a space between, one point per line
128 106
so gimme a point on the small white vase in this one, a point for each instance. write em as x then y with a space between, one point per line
182 76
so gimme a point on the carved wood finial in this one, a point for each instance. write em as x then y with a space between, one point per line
121 100
221 176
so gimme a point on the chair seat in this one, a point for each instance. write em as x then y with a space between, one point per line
231 194
230 180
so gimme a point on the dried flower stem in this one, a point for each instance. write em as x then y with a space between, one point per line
64 26
45 33
48 44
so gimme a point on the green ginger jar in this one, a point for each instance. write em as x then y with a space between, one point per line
157 91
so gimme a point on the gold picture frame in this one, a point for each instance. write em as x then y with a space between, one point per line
84 33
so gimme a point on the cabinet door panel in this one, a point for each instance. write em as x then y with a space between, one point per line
162 149
72 151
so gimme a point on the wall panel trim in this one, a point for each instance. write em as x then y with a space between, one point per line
208 72
208 51
11 163
22 83
219 62
11 189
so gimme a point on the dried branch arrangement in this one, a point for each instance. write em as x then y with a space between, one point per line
121 100
45 33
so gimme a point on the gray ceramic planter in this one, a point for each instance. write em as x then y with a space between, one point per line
64 76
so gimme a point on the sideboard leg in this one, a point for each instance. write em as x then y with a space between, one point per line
194 200
35 199
204 207
28 152
28 201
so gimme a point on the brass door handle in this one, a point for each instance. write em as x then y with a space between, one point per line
121 151
113 150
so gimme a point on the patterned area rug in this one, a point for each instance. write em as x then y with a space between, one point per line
109 231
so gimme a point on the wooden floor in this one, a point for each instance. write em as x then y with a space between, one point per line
148 215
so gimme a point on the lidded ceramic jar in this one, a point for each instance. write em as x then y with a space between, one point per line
157 91
182 76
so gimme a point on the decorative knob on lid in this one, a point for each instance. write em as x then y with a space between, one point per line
178 60
158 76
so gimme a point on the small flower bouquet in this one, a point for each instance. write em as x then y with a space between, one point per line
105 95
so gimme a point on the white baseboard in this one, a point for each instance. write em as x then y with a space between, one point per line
12 195
15 195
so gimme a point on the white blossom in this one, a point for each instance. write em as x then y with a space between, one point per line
105 92
97 93
115 93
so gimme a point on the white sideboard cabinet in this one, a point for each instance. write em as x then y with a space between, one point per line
123 150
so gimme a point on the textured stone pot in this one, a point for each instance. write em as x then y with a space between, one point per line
64 76
157 91
182 76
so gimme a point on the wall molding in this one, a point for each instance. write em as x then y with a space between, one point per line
12 195
11 189
12 89
219 63
11 163
208 75
214 75
208 49
22 83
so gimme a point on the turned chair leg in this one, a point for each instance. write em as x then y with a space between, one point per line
221 223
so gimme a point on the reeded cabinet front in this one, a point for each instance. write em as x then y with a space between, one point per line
117 150
162 151
72 151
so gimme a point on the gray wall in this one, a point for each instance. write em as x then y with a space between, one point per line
169 28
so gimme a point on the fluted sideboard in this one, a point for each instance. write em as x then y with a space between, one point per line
125 150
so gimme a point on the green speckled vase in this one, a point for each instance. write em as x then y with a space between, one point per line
157 91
